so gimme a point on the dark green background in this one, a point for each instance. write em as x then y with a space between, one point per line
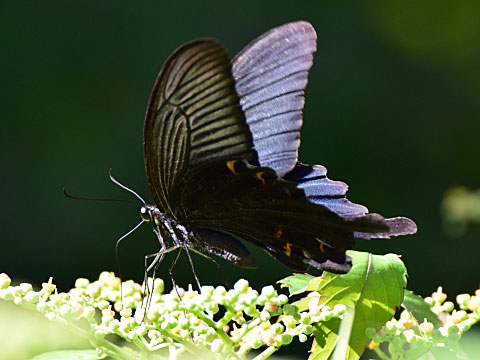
392 108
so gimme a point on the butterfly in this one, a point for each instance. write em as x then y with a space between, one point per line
220 146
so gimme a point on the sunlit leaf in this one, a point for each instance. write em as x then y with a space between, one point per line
419 309
296 283
374 287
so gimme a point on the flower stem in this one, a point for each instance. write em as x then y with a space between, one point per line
265 353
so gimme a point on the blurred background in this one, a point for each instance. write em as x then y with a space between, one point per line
392 108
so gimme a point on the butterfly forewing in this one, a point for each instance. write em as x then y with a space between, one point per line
270 78
193 117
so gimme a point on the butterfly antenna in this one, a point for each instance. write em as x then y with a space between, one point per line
124 236
93 199
118 258
115 181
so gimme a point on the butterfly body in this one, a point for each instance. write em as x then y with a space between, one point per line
221 154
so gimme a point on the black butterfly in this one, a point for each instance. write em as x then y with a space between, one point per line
221 145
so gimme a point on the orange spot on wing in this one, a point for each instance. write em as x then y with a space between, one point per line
260 177
288 249
288 192
322 249
231 166
278 234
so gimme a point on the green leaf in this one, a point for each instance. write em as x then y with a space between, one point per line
374 287
313 285
296 283
89 354
419 309
302 304
325 339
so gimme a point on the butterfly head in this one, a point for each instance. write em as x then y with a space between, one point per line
146 212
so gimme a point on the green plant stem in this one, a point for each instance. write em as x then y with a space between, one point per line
244 349
140 344
265 353
246 330
417 352
187 345
225 320
221 334
113 350
380 353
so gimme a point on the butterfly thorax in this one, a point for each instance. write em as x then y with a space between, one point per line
164 224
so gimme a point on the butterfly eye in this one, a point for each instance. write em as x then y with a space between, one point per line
145 214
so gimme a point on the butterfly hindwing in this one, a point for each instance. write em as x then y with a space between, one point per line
253 203
319 189
225 246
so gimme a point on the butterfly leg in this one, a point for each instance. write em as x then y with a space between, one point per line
219 268
187 251
170 271
183 242
159 256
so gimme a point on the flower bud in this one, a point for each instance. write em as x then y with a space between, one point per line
339 309
458 316
81 283
426 327
5 281
286 339
89 312
32 297
448 306
216 346
270 306
278 328
466 324
241 285
219 292
289 309
257 342
439 296
94 290
306 319
463 300
103 305
474 303
158 286
24 288
429 300
289 321
308 329
251 311
126 312
49 286
268 338
268 291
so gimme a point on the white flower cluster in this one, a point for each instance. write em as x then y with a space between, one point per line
216 320
409 338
